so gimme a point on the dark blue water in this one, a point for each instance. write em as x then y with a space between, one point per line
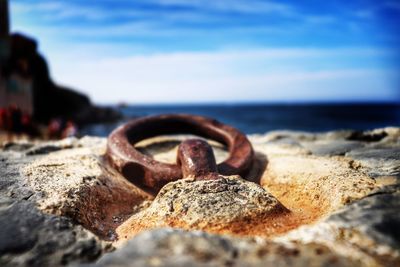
260 118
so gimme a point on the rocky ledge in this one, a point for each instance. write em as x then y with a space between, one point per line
328 199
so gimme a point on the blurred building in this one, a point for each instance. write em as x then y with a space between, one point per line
25 82
15 82
4 30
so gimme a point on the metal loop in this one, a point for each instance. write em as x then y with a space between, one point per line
151 175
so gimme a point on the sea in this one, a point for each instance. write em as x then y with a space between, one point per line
253 118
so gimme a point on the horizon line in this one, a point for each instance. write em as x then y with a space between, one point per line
265 102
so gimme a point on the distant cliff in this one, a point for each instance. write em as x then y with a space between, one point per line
49 100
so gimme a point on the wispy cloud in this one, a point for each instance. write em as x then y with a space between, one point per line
57 11
164 50
65 9
241 6
269 74
219 21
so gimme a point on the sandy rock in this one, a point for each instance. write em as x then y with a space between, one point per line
173 247
331 148
325 199
228 204
42 240
79 184
366 230
327 183
276 135
335 135
374 217
28 236
384 161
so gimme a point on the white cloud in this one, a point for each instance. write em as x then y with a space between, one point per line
226 76
133 21
46 17
58 10
111 71
64 10
241 6
198 12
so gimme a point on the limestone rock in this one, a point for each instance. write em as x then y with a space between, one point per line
331 148
382 161
366 230
79 184
304 203
173 247
375 216
228 204
28 236
304 181
31 238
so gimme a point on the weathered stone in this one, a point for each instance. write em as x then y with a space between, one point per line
277 135
367 136
22 221
11 146
172 247
375 216
320 184
334 210
31 238
335 135
366 230
382 161
226 205
78 183
331 148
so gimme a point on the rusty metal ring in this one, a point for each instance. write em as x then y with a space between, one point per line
151 175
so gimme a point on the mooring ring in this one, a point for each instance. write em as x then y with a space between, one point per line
149 174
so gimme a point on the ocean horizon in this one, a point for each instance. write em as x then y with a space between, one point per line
252 118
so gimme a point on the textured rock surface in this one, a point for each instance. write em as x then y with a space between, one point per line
331 148
171 247
29 237
229 204
329 199
78 184
379 161
367 230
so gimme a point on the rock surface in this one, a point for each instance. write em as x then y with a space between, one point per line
76 182
328 199
28 236
172 247
229 204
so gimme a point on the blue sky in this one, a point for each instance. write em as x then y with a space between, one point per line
152 51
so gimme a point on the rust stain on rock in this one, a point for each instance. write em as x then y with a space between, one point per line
79 184
228 205
105 205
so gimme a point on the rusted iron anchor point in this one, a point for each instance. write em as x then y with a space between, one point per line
195 156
